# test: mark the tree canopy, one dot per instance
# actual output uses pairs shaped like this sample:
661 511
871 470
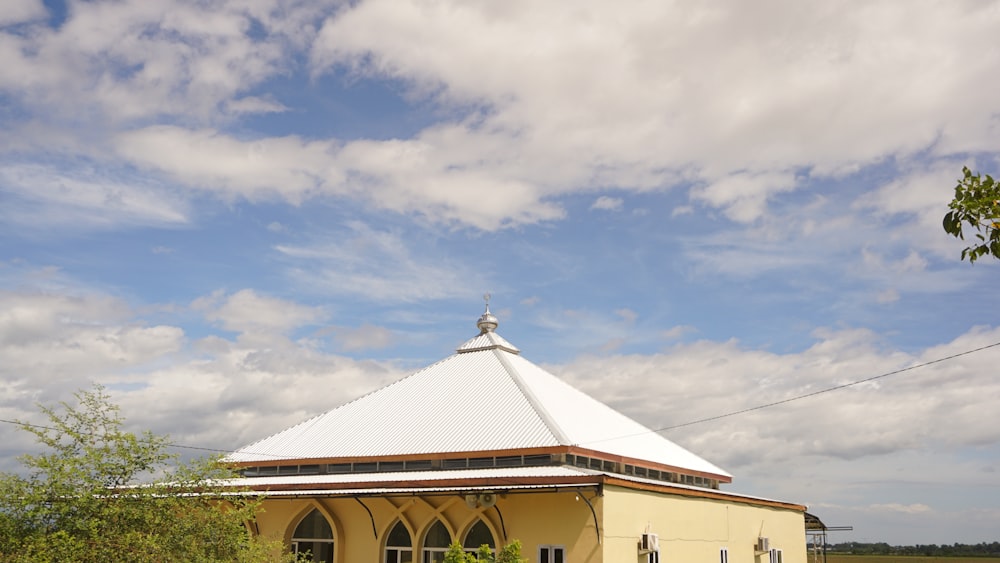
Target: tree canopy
99 493
976 205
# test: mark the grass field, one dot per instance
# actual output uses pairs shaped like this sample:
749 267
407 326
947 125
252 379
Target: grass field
831 558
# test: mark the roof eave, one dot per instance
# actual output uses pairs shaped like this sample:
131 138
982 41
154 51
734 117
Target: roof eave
548 450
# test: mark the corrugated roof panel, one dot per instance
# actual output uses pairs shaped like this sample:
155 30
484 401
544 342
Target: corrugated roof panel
485 397
589 423
467 402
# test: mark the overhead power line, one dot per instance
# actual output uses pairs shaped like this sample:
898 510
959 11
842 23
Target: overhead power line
827 390
657 430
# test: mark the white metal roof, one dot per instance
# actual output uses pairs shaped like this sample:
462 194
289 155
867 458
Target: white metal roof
485 397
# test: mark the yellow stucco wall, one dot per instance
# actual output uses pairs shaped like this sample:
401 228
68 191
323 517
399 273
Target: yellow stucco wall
534 519
691 530
695 529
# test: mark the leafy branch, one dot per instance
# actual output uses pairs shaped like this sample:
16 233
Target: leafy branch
976 205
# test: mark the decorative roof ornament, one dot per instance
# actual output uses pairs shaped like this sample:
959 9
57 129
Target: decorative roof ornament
487 339
487 322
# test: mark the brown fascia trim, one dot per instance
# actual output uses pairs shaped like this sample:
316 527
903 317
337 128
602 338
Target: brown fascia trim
574 450
701 493
402 457
497 483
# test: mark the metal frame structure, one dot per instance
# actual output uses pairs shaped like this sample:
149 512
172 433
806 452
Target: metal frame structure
816 536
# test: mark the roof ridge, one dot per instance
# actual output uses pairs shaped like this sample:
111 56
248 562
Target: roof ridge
536 404
487 340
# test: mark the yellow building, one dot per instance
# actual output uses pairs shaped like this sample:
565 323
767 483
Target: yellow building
484 447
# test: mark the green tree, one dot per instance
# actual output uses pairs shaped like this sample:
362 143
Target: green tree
510 553
98 493
976 205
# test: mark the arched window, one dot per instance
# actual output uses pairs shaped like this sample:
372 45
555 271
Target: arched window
398 547
436 543
479 535
314 535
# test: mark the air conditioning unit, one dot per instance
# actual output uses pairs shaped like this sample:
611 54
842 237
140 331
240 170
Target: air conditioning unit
649 542
763 544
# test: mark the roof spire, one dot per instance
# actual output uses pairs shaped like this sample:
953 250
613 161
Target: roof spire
487 322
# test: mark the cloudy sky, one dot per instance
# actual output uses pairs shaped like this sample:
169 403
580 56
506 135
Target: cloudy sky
238 214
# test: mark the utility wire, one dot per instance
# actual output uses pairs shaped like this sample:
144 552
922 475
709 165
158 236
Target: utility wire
94 434
827 390
657 430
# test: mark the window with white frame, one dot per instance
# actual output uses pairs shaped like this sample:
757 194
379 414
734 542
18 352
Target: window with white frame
314 535
723 555
436 543
653 557
398 546
551 554
775 556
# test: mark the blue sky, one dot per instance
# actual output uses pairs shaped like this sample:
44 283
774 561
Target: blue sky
236 215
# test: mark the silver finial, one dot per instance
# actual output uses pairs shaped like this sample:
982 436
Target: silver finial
487 322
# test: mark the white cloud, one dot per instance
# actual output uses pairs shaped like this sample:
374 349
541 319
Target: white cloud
246 311
51 341
636 106
919 196
679 331
19 11
254 104
110 62
84 198
888 296
743 197
438 176
606 203
442 175
364 337
628 316
286 168
904 508
910 264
